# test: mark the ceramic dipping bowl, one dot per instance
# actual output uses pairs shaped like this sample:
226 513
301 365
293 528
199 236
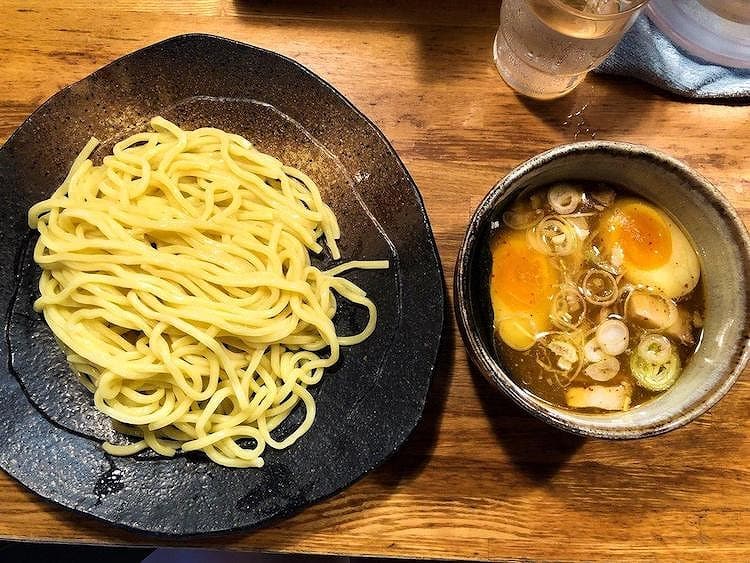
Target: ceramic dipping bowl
718 235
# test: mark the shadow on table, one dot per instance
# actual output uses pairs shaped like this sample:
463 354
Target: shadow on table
438 12
453 41
535 448
450 36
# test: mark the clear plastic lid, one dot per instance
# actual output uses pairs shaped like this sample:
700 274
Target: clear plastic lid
697 27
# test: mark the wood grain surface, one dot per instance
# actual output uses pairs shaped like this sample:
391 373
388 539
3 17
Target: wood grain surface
479 479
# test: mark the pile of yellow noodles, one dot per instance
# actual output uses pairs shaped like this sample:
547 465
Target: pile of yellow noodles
177 277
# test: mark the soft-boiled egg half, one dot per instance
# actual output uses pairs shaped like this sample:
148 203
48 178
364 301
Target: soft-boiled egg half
649 247
522 286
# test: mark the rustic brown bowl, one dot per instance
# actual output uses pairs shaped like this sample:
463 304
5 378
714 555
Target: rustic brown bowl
719 237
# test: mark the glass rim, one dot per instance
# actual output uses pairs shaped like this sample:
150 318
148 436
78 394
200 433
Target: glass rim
598 17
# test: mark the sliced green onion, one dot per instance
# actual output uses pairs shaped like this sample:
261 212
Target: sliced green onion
568 308
655 377
613 337
564 199
520 220
593 352
599 287
559 356
566 351
553 236
655 349
603 370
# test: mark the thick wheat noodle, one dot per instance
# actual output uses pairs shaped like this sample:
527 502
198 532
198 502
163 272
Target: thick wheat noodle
177 278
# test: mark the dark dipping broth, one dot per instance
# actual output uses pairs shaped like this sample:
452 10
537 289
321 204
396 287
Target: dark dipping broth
596 294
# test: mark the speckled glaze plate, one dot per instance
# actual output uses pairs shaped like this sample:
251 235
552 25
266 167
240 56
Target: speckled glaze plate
368 404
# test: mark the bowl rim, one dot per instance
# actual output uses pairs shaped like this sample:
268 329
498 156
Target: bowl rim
499 377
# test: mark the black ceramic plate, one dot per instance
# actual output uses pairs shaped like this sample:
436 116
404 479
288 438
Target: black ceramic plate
49 432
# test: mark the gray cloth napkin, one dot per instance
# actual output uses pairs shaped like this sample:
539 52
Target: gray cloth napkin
646 53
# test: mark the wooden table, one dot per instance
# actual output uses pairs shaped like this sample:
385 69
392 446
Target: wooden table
479 479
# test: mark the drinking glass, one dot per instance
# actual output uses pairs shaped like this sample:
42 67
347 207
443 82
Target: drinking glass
545 48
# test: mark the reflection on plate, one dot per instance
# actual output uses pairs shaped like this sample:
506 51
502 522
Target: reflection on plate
367 404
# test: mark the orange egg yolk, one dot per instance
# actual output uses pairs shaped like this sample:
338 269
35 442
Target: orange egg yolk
522 278
642 234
